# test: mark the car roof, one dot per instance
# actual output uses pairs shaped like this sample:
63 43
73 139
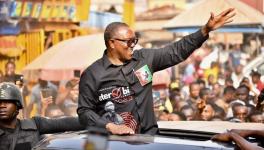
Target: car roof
212 127
81 140
173 135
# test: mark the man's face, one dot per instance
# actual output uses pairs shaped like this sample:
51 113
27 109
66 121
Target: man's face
217 89
7 110
211 79
163 116
43 83
174 117
180 104
208 113
238 69
242 94
241 113
10 69
229 97
209 95
257 118
255 79
123 43
194 90
189 114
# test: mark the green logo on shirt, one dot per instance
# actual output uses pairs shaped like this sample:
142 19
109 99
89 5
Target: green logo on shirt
144 75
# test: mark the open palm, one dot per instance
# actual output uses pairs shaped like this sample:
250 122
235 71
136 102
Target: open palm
218 21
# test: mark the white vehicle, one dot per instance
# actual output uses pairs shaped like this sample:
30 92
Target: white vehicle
256 63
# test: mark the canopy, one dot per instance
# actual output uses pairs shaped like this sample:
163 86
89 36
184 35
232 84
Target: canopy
247 19
60 61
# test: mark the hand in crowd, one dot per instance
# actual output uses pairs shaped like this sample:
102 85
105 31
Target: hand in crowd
45 102
237 136
223 137
119 129
243 133
218 21
201 104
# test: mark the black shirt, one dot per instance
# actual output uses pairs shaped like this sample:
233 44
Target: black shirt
129 86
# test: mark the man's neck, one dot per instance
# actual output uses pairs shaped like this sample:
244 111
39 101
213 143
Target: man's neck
8 123
113 58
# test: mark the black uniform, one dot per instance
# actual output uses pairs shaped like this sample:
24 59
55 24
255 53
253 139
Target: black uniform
129 86
27 132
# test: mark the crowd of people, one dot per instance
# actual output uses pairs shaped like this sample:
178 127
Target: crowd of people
51 99
219 92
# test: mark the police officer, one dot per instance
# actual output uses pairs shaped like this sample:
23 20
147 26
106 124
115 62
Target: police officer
24 134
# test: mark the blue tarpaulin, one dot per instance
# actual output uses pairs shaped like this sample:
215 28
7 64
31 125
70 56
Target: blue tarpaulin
101 19
9 29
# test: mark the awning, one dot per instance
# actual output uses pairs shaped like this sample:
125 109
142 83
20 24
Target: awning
247 19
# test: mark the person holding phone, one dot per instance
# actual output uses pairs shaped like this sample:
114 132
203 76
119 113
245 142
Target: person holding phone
42 87
19 82
124 76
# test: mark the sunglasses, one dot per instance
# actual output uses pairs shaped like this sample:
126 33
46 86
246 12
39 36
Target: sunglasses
129 43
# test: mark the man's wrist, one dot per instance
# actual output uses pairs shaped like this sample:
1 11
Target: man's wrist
205 30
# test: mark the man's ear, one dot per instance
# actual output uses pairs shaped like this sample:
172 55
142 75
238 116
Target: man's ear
111 44
16 112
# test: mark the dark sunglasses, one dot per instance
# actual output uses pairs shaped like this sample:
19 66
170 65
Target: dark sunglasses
129 43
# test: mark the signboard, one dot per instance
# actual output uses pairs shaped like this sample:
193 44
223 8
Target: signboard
3 10
36 10
15 9
71 12
56 10
44 10
27 8
64 12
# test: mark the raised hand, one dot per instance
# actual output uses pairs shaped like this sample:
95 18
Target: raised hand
45 102
218 21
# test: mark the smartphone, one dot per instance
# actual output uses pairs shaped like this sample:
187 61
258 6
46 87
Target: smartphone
46 92
156 99
19 80
77 73
19 77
